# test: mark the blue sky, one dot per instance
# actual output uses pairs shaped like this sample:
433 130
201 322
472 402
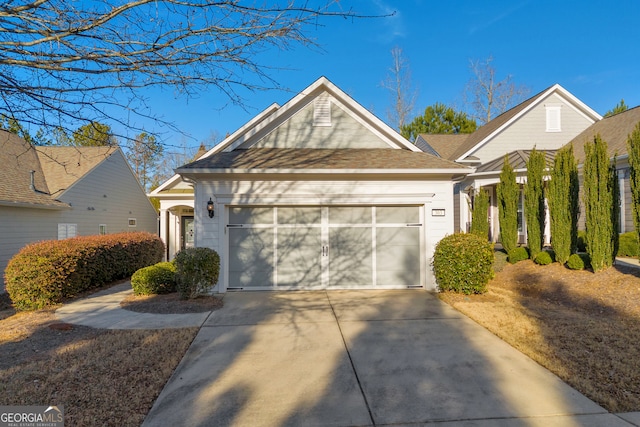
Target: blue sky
591 48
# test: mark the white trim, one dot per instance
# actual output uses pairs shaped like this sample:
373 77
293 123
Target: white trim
462 171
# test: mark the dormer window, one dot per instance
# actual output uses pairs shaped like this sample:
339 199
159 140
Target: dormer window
554 122
322 111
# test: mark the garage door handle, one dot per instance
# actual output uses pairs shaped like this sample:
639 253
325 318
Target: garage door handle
325 250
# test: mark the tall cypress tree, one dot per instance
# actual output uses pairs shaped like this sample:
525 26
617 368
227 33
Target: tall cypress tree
479 218
564 204
508 195
534 202
599 201
633 145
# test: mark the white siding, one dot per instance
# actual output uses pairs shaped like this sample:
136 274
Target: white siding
530 130
110 194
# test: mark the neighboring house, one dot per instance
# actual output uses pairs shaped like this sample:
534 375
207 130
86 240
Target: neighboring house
546 121
615 130
58 192
315 194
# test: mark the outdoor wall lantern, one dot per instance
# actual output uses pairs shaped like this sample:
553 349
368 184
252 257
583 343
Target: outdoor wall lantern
210 207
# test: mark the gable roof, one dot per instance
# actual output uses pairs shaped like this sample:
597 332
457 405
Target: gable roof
517 159
614 130
485 133
55 169
18 159
64 166
319 160
444 145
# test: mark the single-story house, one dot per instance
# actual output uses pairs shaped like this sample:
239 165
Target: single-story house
615 130
546 121
56 192
315 194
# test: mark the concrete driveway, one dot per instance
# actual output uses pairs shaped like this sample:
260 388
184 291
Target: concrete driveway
358 358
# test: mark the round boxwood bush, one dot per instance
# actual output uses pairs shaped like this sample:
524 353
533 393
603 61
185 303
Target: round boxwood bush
518 254
197 271
543 258
155 279
576 262
463 263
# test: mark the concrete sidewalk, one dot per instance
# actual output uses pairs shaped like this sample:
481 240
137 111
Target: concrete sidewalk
102 310
357 358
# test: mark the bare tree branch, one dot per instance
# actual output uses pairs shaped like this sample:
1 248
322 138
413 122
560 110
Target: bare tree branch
486 96
62 62
403 95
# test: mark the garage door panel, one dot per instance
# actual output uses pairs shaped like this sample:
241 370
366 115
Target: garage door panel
350 257
397 215
299 253
252 215
251 257
350 215
300 215
398 256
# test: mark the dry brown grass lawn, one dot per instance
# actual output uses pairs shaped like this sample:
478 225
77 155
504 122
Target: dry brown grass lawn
582 326
101 377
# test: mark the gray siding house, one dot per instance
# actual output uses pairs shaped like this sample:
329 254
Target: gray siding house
546 121
59 192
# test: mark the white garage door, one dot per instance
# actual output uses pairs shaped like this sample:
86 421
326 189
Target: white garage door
325 247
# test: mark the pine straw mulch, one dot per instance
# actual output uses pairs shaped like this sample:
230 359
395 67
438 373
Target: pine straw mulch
101 377
583 326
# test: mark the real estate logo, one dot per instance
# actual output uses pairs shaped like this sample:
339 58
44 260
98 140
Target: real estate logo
31 416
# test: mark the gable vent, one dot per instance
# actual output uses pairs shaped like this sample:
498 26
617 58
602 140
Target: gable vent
322 111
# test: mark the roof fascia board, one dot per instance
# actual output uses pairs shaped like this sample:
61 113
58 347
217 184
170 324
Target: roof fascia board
34 205
435 171
238 134
555 88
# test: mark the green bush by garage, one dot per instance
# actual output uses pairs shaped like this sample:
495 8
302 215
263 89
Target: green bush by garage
463 263
156 279
48 272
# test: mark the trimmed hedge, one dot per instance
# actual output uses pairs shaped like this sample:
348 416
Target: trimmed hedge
543 258
518 254
463 263
576 262
47 272
156 279
197 271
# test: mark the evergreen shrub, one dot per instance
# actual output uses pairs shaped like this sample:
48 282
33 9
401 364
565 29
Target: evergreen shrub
577 261
156 279
47 272
628 245
543 258
463 263
518 254
197 271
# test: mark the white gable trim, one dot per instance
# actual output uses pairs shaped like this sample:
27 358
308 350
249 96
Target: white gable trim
222 145
348 104
570 99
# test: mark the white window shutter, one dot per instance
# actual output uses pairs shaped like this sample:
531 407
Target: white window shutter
322 111
554 122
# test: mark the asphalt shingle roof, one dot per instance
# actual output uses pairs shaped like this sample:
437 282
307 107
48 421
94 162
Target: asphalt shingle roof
445 144
614 130
517 159
55 170
309 158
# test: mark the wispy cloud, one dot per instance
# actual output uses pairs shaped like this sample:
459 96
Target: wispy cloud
484 25
394 27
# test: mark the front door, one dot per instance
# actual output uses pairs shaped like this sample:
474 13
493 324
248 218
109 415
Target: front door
187 232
